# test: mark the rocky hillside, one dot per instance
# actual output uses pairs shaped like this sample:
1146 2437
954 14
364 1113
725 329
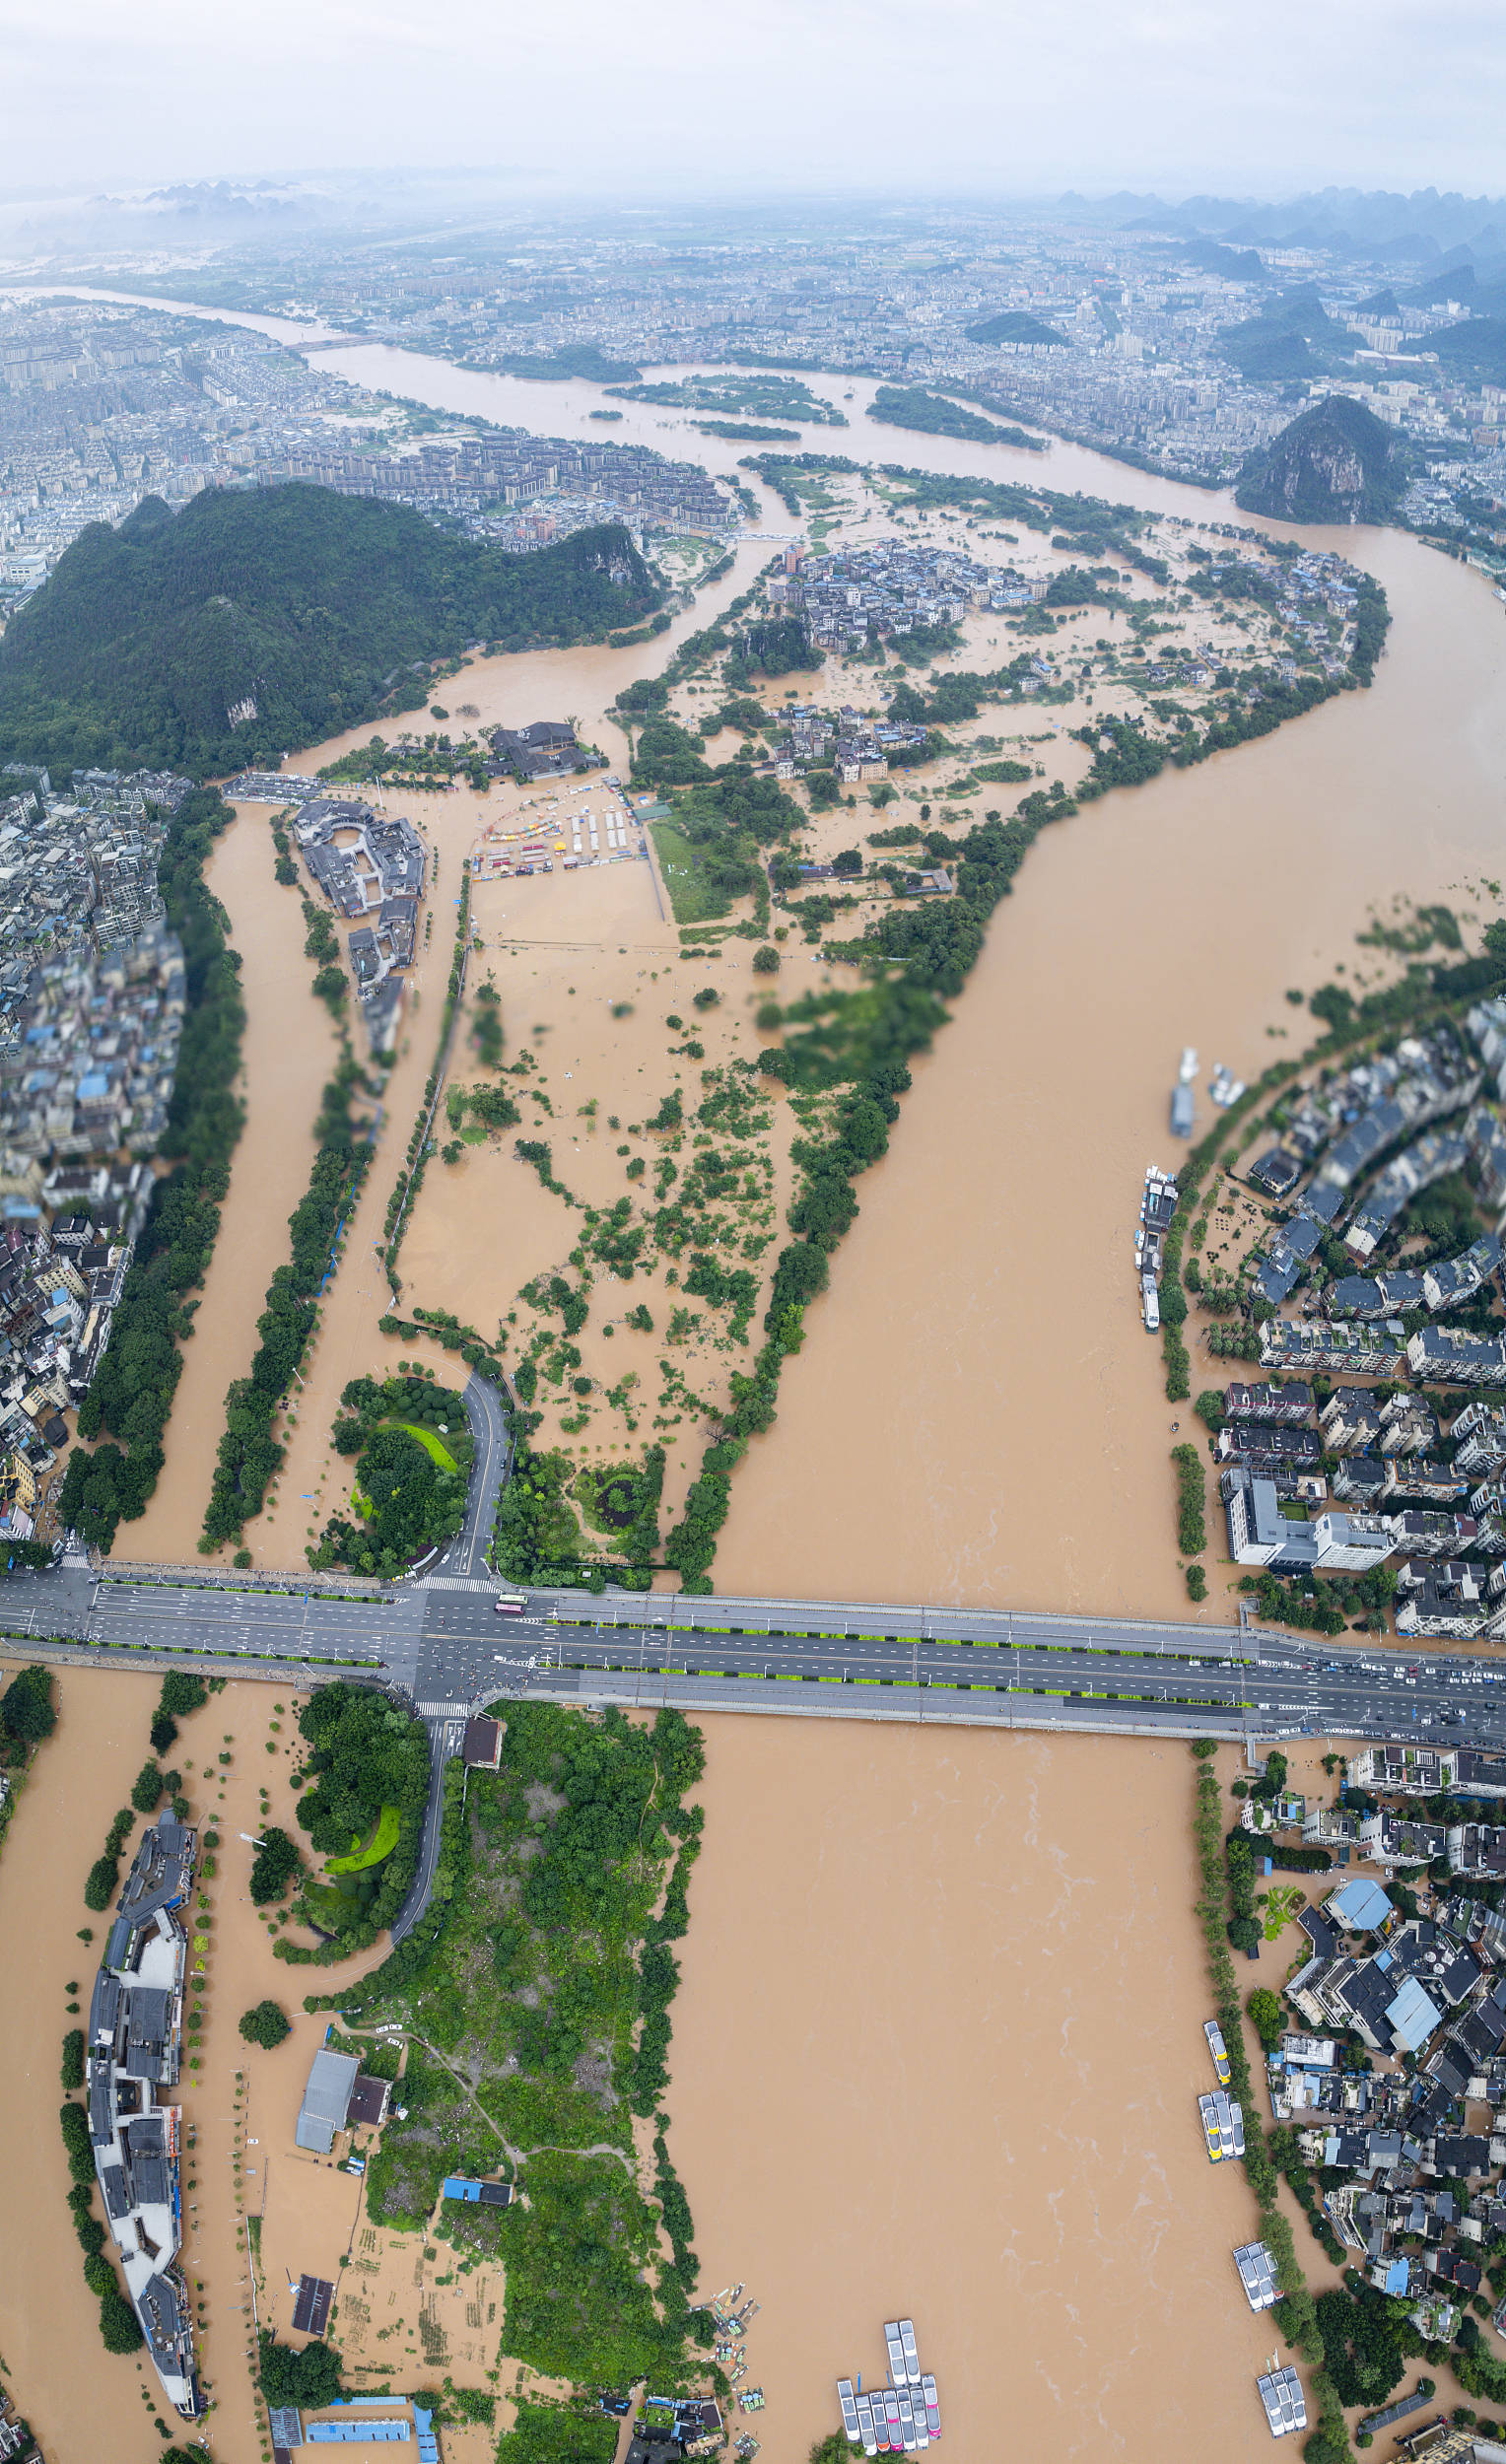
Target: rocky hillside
1335 464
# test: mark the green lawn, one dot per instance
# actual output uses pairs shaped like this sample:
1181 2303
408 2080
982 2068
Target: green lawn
691 895
434 1447
380 1844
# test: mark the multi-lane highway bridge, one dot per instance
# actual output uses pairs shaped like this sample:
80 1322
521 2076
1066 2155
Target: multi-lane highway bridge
439 1641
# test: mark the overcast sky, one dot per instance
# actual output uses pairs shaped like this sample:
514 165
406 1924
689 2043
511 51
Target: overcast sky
592 96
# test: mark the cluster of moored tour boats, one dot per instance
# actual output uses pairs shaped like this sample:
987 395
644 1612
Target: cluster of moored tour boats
902 2416
1223 2117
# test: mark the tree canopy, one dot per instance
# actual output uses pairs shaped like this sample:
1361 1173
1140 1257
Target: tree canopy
26 1706
265 2023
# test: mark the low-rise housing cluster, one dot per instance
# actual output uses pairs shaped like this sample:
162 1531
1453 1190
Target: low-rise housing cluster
1394 2072
371 867
134 2049
92 990
92 1005
858 746
1429 1493
855 594
496 483
1343 1130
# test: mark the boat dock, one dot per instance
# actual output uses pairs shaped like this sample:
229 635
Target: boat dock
901 2417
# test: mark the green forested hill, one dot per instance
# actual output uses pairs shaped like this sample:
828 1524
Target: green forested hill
305 604
1335 462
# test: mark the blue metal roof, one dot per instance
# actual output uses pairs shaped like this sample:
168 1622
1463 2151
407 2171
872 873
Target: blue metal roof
1361 1907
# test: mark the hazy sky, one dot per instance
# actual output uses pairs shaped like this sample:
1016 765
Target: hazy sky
890 94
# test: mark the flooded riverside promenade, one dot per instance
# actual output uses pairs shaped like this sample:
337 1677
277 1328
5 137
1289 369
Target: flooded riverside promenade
81 2402
84 2403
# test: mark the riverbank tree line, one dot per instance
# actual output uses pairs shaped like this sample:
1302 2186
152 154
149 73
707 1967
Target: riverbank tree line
249 1456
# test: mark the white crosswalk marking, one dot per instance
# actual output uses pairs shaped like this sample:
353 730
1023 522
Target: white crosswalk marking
453 1583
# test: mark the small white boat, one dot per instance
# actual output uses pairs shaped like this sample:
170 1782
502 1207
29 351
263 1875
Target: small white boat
1188 1070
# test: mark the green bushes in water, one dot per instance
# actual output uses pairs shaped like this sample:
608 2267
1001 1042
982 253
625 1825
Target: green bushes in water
28 1716
118 2320
1192 1530
309 2377
103 1877
276 1864
408 1501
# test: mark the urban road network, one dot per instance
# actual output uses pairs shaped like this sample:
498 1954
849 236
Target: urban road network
440 1640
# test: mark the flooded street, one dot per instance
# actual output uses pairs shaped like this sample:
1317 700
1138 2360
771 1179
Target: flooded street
937 2051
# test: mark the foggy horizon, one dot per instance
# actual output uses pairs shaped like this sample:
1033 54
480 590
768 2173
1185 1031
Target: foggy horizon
864 98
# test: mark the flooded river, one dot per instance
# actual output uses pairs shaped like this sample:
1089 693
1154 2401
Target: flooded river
938 2039
936 2052
1003 1427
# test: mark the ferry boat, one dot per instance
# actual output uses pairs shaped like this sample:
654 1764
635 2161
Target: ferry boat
1236 2126
850 2421
892 2415
896 2343
932 2409
1181 1110
1225 2126
911 2357
865 2431
1216 2047
907 2422
1208 2110
1150 1303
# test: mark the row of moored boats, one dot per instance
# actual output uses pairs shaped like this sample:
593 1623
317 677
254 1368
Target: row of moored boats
1223 2116
902 2416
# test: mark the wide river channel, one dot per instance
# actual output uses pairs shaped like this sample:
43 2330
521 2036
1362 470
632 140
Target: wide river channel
937 2041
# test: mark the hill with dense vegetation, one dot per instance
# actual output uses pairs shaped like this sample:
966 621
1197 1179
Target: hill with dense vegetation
1015 326
254 622
1335 462
1293 336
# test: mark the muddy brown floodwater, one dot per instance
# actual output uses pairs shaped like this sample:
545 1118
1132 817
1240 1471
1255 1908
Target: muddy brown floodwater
289 1050
938 2049
977 1414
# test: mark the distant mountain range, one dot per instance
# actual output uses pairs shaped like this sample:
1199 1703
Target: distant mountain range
1425 229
